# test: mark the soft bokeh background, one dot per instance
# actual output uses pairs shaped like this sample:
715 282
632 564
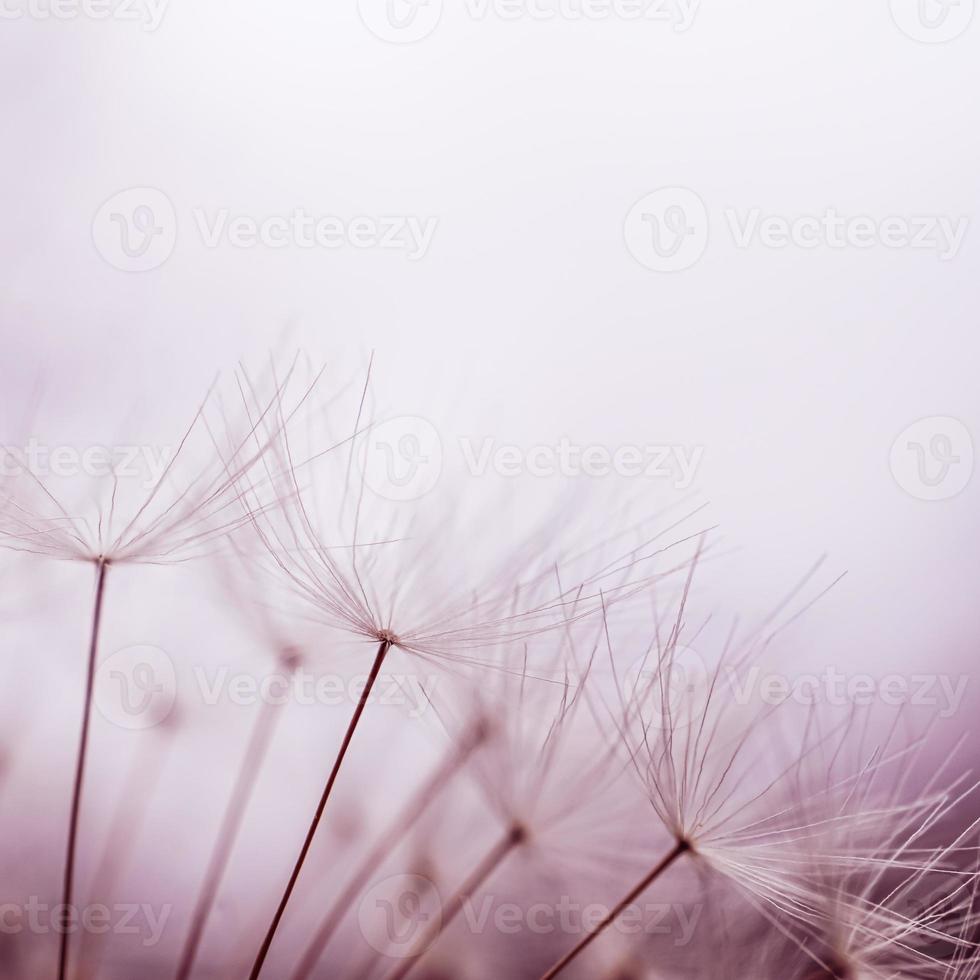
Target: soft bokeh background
529 141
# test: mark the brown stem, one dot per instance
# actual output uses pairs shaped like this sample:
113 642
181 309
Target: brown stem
408 816
383 649
682 847
68 881
516 835
231 822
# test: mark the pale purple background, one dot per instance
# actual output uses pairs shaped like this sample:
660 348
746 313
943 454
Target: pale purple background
528 319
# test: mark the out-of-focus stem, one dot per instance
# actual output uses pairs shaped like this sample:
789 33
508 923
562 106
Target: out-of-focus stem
248 772
408 816
515 836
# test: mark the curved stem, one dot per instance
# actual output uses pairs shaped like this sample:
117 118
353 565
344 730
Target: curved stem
682 847
383 649
68 881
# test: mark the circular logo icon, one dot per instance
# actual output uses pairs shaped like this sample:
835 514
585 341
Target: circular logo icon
136 687
400 21
136 229
671 693
667 230
395 915
933 458
932 21
401 459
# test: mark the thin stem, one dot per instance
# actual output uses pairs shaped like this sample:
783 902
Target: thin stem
516 835
68 881
409 815
681 847
231 822
383 649
141 779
